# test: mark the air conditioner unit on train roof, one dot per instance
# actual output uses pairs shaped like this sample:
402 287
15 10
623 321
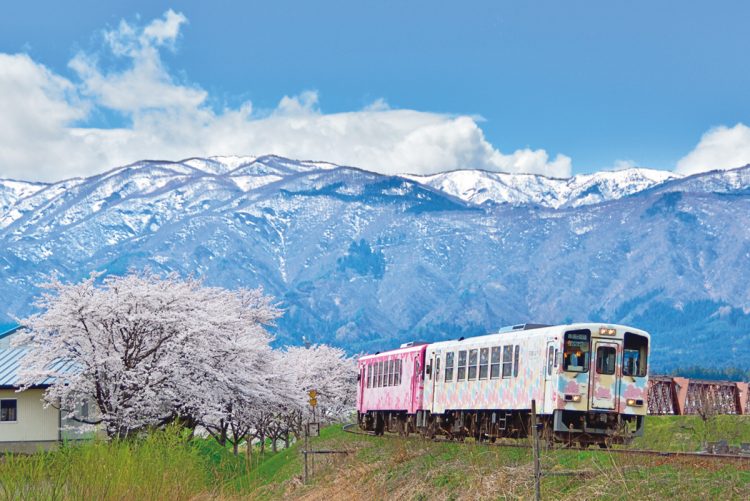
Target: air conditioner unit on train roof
521 327
411 343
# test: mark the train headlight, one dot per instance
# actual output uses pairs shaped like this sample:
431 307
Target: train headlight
604 331
632 402
572 398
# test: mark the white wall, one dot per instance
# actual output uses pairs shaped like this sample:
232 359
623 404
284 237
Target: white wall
34 423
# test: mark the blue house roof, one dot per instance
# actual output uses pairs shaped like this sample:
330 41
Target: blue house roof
10 361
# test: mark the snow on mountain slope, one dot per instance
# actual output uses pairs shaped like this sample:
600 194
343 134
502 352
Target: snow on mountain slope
479 187
367 261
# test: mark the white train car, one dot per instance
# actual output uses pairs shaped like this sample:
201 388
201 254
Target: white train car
589 382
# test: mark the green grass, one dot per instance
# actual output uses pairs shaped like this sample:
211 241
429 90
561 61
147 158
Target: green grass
165 465
388 468
689 433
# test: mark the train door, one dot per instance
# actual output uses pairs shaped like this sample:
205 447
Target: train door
362 385
549 389
415 381
429 380
605 381
436 389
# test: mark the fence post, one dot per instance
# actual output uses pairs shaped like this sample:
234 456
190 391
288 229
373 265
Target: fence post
535 447
307 429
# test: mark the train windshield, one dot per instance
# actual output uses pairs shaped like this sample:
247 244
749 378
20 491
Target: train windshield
577 353
634 355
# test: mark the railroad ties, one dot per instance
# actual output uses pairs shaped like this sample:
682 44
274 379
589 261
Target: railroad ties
682 396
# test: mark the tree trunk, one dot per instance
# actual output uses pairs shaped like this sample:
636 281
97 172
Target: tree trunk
273 444
235 448
262 443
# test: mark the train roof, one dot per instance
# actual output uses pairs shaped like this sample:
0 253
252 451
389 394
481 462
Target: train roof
405 348
538 329
525 330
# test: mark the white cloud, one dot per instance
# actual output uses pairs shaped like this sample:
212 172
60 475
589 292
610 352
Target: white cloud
719 148
41 136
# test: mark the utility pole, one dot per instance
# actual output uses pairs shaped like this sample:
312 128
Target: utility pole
313 394
535 447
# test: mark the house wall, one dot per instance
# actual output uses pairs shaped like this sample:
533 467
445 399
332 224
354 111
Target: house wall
35 426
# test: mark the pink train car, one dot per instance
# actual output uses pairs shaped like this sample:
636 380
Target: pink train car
390 388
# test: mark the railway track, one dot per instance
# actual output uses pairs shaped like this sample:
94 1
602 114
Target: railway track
350 428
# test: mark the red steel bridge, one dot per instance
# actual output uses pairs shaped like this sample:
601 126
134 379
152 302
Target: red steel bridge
681 396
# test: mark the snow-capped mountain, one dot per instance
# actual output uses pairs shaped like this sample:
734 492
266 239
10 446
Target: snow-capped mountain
367 261
477 186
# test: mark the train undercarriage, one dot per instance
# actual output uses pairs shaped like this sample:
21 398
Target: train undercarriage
571 428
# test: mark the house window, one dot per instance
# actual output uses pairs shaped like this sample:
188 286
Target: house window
472 364
484 360
515 360
449 366
8 410
495 365
507 360
461 366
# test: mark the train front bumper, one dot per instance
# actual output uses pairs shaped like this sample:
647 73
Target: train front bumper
598 423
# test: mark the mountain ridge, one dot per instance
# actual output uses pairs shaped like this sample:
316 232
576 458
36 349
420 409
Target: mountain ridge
365 260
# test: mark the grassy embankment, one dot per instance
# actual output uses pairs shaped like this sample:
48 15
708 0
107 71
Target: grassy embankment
164 466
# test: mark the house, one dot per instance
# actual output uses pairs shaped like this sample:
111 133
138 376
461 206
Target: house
26 424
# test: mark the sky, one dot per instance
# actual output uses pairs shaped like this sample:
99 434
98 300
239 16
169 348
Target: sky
548 87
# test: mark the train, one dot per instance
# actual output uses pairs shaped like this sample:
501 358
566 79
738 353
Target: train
588 383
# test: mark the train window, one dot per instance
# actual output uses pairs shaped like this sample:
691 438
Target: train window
369 375
375 375
484 362
515 361
472 364
449 366
391 371
437 369
507 360
577 351
495 364
557 357
605 359
380 374
397 373
635 353
461 370
550 355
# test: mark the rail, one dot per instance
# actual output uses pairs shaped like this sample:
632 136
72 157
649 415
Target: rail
645 452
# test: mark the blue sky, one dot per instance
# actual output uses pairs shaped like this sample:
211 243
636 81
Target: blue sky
552 87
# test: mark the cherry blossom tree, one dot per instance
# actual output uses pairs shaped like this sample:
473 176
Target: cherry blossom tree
148 349
328 371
